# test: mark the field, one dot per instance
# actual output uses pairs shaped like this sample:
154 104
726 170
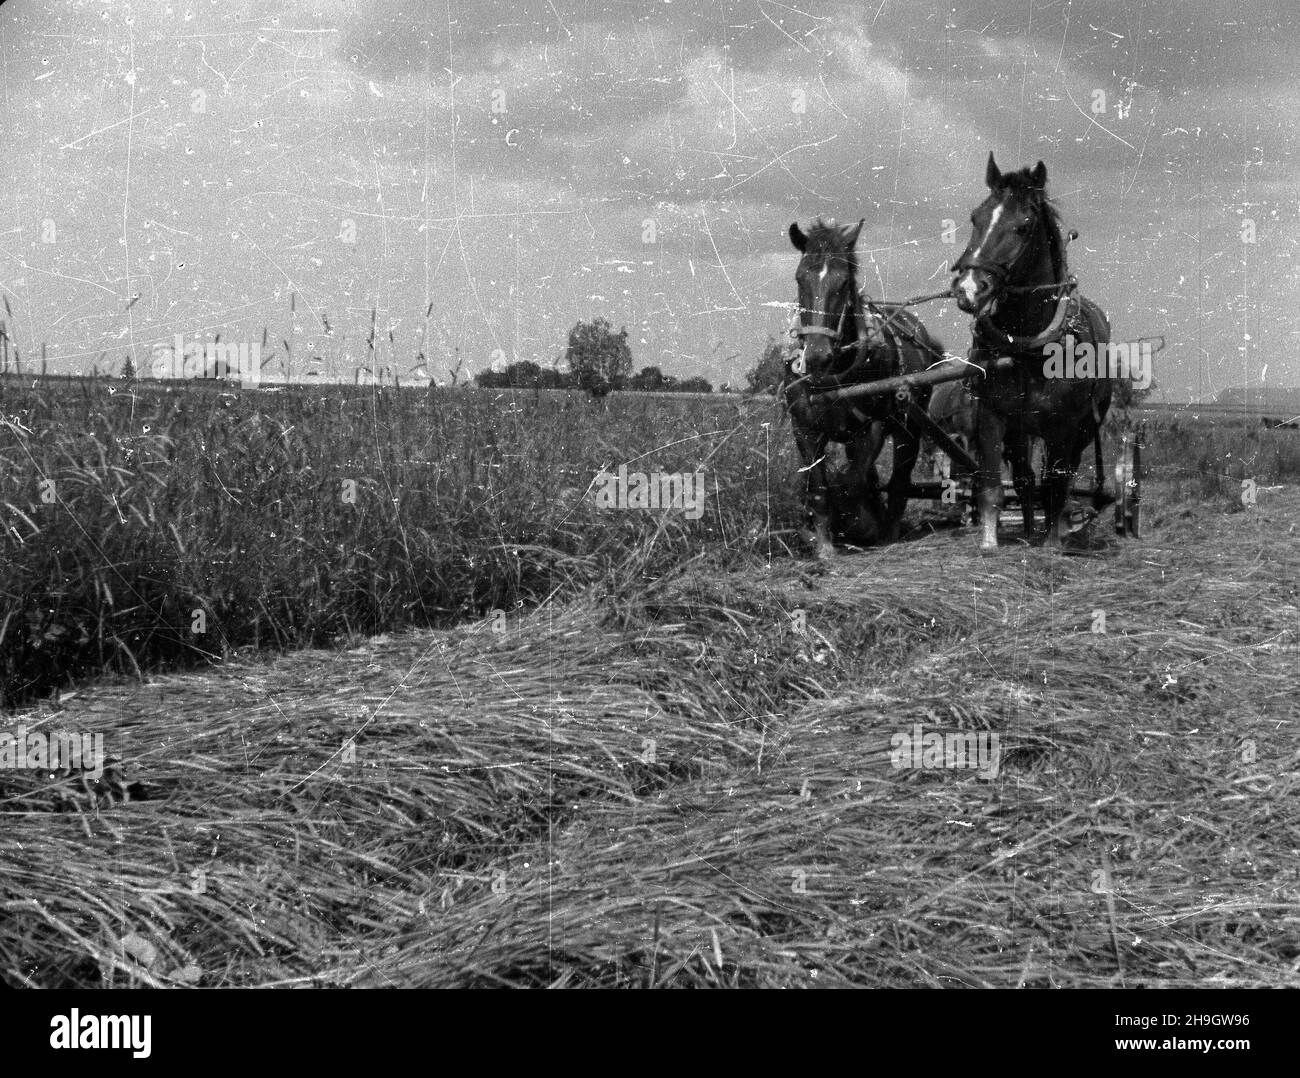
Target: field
514 738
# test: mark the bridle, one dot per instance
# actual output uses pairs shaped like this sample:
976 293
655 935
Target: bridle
1065 289
1004 273
800 365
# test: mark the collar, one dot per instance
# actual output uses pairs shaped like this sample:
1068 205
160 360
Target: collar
995 337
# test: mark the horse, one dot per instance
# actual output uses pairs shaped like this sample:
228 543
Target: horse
953 408
1014 280
844 342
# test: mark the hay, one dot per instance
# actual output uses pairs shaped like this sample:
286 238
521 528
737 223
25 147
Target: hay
663 783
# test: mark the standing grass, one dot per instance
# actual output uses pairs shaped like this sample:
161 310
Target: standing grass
153 526
158 526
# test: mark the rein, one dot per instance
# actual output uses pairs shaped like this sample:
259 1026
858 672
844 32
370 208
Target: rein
884 321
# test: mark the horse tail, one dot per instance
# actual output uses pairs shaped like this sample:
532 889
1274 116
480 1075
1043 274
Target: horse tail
1100 327
1100 498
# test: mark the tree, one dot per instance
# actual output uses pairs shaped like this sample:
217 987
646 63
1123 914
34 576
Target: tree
769 372
650 379
599 358
128 370
695 385
523 375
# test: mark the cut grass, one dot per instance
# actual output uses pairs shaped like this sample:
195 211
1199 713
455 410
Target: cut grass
662 783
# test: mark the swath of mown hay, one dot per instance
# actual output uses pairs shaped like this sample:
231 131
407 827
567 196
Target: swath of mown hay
504 821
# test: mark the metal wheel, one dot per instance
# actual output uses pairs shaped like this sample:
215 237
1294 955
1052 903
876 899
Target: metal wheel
1128 484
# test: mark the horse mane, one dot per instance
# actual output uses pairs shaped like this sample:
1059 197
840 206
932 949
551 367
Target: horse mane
825 237
1021 183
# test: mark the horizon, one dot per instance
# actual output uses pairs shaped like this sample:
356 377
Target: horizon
1152 402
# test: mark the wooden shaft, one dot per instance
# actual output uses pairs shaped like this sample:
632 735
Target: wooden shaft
938 436
947 371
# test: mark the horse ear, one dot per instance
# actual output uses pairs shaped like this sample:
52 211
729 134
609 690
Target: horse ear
850 232
797 237
1039 175
992 174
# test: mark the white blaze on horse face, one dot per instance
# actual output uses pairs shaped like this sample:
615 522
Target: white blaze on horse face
967 282
823 300
821 296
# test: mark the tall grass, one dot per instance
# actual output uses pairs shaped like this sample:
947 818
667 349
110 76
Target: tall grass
152 526
1210 460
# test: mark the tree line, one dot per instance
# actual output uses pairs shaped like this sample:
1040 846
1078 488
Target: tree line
529 375
599 361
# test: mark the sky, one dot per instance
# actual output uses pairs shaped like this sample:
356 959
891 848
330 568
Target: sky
484 174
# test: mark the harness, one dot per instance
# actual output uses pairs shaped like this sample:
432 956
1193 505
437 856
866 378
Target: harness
799 331
875 326
1064 318
990 336
1069 317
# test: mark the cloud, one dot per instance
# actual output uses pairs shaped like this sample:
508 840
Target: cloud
508 157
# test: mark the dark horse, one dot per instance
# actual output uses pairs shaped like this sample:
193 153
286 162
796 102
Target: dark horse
1013 278
844 343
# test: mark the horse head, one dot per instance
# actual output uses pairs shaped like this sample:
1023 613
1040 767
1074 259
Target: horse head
829 306
1015 240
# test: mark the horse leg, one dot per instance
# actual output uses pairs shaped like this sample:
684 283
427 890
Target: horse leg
1022 476
1060 464
864 482
812 450
1100 499
990 429
907 447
